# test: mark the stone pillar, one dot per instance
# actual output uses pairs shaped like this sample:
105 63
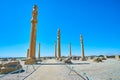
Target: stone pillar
27 53
55 50
39 52
32 48
70 50
82 48
58 44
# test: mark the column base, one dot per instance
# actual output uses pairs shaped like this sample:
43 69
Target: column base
83 59
30 61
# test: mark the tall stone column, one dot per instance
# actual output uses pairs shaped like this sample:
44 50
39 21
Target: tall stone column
27 53
39 52
70 50
82 48
55 50
32 48
58 44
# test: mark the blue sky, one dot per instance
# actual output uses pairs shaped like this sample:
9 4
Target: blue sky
97 20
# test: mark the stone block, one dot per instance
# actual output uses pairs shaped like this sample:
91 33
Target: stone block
10 66
97 59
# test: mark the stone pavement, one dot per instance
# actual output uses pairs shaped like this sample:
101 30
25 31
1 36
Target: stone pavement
53 72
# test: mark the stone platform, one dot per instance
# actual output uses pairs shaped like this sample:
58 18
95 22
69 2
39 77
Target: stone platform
53 72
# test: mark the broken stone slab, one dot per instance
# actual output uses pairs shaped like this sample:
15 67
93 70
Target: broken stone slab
5 70
10 66
97 59
68 61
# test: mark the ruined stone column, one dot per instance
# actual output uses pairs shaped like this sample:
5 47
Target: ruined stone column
55 45
39 52
70 50
27 53
82 48
32 48
58 41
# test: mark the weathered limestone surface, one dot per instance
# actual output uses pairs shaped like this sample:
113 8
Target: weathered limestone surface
32 59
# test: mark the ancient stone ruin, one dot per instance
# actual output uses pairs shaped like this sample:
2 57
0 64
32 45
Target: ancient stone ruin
31 59
68 60
82 49
58 44
10 66
97 59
